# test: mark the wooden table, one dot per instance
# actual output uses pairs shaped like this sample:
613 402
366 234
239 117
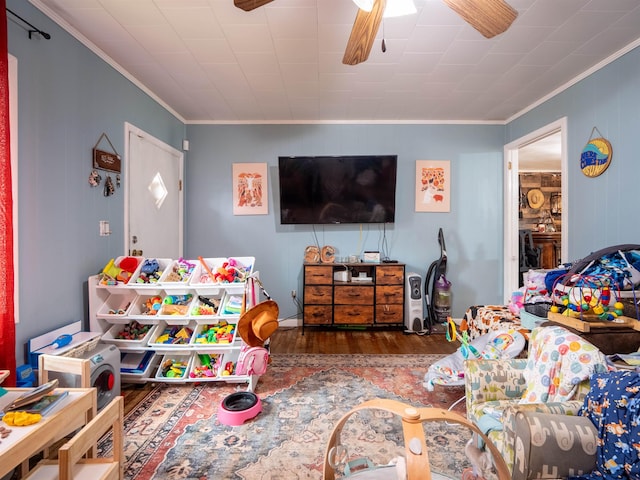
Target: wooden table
74 411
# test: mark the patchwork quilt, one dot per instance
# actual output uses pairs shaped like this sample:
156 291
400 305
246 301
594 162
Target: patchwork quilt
558 362
613 405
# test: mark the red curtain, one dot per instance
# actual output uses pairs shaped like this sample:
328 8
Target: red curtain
7 322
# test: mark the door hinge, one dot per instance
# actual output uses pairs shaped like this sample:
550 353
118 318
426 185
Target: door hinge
179 185
509 165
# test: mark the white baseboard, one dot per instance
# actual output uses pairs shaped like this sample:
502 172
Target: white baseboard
290 322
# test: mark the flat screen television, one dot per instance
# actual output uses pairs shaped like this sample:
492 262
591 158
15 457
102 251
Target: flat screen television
339 189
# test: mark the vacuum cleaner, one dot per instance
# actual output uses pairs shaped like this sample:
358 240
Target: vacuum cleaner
437 289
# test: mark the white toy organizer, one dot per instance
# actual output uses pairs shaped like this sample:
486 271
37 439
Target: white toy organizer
202 345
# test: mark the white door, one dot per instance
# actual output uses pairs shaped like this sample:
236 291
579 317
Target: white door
512 197
153 196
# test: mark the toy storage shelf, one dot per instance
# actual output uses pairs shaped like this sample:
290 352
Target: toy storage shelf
115 308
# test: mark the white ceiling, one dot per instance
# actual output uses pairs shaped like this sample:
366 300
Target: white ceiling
207 61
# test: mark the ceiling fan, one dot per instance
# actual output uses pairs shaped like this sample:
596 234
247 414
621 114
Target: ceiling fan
489 17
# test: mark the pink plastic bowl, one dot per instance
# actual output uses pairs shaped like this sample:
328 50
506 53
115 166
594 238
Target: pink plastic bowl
237 408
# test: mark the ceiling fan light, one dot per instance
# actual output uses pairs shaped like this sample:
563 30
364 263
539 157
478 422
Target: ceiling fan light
395 8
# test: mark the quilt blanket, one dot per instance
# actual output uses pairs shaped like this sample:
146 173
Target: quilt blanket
613 405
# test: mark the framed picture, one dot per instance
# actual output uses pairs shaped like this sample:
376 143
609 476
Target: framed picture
433 186
250 189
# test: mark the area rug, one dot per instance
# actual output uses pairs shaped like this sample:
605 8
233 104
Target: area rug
174 433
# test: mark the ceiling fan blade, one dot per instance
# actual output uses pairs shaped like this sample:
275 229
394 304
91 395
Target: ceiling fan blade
363 34
248 5
489 17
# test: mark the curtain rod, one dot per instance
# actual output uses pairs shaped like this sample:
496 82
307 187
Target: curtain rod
33 28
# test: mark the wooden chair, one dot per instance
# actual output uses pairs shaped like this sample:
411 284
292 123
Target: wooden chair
72 465
71 365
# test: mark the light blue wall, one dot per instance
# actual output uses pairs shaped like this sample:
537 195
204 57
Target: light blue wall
602 210
473 228
67 98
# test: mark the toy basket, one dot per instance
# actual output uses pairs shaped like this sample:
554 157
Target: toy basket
416 453
82 348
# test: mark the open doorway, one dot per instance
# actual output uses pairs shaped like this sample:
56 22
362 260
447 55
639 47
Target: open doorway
534 165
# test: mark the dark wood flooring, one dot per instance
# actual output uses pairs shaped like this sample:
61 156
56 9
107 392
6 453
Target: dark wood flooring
369 341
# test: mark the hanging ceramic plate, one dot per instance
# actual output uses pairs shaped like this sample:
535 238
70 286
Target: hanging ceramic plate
595 157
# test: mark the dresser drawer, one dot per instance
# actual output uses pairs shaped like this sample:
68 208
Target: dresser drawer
320 295
389 294
318 275
389 314
353 314
390 275
317 314
353 295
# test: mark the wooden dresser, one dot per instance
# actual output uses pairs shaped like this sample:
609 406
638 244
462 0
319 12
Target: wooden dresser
376 300
549 243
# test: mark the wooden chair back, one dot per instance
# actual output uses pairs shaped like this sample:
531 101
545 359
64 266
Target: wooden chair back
54 363
75 458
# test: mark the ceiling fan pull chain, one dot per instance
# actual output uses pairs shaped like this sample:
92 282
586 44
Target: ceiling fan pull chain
384 45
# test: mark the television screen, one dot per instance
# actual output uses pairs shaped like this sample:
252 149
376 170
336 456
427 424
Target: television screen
343 189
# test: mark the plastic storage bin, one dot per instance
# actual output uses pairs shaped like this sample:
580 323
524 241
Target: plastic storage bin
222 334
205 308
118 272
171 336
226 271
116 307
174 368
231 305
146 279
177 275
205 365
176 308
145 308
132 335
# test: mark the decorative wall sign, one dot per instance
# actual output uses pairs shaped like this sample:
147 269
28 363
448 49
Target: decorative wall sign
250 189
596 155
433 186
104 160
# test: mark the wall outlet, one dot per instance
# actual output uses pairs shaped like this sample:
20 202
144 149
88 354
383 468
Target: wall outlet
294 294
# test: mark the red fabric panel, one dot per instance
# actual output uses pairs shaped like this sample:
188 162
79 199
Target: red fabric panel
7 321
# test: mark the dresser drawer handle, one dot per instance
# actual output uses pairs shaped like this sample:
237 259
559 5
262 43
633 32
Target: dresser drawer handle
353 294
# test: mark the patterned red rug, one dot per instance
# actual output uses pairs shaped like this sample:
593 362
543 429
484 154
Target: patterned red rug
174 433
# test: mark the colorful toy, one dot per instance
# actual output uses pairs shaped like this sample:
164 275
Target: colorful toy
174 335
210 363
172 368
586 295
206 306
181 271
133 331
176 304
149 272
229 368
231 271
221 333
152 304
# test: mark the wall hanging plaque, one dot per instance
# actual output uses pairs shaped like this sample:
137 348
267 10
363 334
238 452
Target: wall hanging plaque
596 155
104 160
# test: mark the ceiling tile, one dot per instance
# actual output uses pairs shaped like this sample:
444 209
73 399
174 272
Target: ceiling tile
208 60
